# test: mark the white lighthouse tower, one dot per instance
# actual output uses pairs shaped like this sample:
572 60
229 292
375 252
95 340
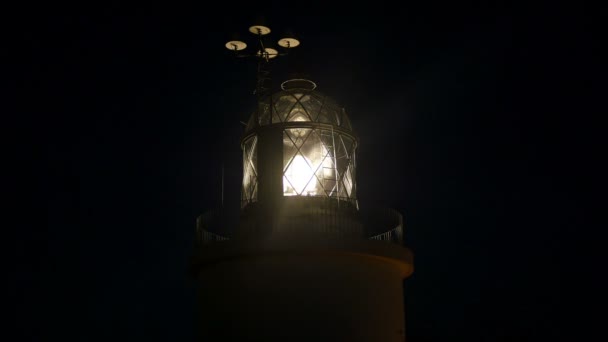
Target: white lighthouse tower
303 262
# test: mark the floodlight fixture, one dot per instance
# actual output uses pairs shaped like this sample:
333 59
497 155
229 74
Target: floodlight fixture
236 45
288 43
263 51
259 30
269 53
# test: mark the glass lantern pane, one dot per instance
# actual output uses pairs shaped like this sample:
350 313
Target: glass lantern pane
345 121
298 178
253 154
325 116
313 106
298 114
282 107
249 189
302 158
348 181
293 139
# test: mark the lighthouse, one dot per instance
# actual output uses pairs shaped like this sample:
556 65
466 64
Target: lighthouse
301 261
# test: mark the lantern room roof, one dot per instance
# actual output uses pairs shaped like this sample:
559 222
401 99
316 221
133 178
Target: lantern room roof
298 101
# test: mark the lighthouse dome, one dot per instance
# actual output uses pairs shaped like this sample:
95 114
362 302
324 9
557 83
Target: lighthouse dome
298 101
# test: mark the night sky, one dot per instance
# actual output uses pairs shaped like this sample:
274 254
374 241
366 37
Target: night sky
134 111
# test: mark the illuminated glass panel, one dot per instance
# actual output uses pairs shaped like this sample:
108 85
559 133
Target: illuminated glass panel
299 105
318 162
249 191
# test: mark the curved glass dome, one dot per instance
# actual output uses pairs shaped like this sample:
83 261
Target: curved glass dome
318 144
299 102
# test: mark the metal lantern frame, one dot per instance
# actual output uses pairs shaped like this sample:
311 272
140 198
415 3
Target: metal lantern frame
309 120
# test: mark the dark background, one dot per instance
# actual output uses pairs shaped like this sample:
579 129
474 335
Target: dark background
460 115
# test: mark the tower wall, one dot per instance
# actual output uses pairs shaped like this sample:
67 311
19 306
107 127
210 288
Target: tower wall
339 293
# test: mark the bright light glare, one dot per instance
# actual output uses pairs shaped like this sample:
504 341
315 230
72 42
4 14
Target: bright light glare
300 180
300 177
